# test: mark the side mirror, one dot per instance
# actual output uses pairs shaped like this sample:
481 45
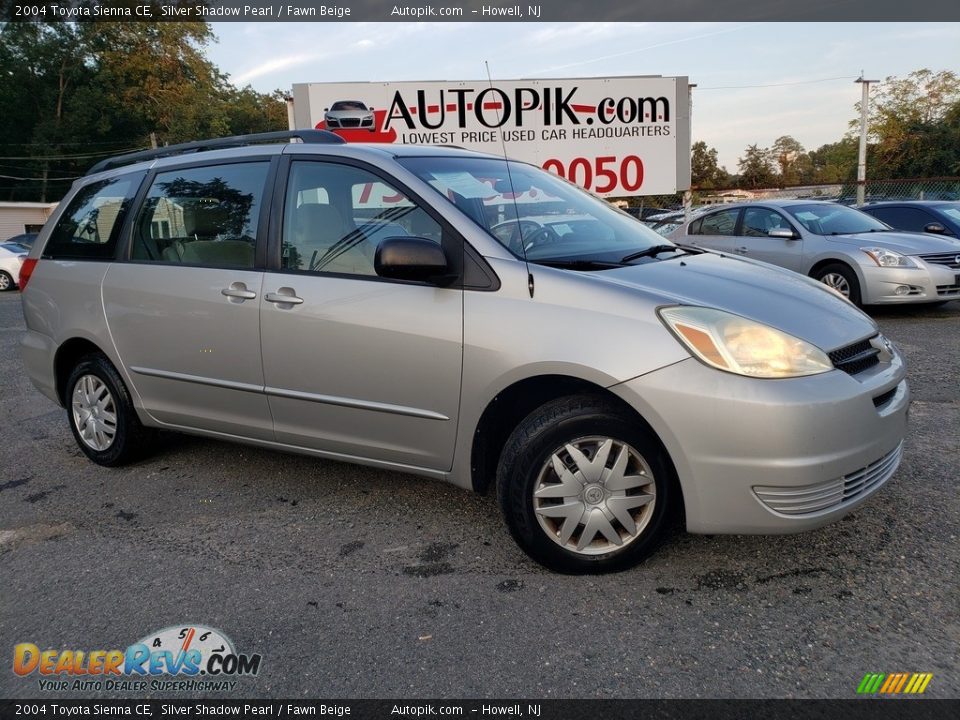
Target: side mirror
782 233
412 258
325 109
935 228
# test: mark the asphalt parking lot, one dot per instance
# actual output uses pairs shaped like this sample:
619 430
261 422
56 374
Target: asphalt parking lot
357 583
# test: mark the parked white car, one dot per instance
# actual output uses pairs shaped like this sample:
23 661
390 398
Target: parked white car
11 258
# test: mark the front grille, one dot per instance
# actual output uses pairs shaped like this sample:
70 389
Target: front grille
951 260
810 499
349 122
855 358
949 290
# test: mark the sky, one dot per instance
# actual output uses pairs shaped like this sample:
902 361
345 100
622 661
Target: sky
755 81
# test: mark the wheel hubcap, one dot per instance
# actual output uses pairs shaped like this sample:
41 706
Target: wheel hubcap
4 282
594 495
838 282
94 412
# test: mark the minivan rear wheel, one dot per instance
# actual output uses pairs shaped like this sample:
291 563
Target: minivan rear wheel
101 414
583 487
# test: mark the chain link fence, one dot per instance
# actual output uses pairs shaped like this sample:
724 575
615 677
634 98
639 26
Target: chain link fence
845 193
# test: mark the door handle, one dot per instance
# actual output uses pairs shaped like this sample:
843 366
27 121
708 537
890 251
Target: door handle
283 298
741 250
237 292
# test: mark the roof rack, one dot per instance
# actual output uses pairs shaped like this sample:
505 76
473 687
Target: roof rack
306 136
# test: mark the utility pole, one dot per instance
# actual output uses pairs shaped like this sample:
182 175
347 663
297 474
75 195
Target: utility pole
862 160
688 193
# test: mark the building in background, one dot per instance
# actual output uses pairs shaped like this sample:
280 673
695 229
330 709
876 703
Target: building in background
17 218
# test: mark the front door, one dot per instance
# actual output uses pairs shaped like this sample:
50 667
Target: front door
356 365
754 241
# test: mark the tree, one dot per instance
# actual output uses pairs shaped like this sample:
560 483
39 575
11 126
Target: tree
792 161
755 167
74 93
706 173
913 125
834 162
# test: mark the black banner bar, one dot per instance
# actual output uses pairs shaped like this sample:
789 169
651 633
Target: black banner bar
477 10
865 709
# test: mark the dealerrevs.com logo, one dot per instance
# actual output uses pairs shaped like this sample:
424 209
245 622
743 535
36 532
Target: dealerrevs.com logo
187 657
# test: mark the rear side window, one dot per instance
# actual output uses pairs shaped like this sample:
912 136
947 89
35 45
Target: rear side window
720 223
202 216
89 228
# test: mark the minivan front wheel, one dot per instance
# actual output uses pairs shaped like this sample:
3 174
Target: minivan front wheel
583 487
101 414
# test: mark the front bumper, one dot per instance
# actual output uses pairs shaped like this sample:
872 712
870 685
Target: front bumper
774 456
928 283
347 123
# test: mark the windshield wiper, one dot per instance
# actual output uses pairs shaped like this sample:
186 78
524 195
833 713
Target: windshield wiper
859 232
579 264
651 252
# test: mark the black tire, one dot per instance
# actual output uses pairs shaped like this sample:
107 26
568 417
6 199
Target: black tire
6 281
131 440
533 443
847 273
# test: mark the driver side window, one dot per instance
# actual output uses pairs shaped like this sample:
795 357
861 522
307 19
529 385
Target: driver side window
336 215
758 222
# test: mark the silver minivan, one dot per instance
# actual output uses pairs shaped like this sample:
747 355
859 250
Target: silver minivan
355 303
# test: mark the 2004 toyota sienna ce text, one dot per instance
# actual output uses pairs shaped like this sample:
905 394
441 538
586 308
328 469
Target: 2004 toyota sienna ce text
352 303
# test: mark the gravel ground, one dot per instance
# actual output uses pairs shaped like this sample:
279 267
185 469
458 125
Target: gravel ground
359 583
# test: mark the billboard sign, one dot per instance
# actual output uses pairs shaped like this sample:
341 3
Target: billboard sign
616 136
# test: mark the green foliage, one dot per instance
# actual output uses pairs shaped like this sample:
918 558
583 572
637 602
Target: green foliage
74 93
914 132
706 173
914 126
755 168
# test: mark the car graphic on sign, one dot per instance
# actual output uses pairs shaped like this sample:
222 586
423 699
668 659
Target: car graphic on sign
349 114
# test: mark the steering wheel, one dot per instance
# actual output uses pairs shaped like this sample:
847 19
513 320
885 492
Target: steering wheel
540 236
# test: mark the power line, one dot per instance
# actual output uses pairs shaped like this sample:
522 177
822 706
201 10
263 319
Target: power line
69 144
36 179
798 82
73 157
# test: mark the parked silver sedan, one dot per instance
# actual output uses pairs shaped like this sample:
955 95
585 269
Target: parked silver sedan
857 255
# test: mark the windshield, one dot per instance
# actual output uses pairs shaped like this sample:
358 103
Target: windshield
533 213
953 212
348 105
830 219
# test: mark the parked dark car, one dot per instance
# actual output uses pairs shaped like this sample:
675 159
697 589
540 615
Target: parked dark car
25 239
931 216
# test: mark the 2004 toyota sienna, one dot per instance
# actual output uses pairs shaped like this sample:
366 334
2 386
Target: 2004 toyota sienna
352 302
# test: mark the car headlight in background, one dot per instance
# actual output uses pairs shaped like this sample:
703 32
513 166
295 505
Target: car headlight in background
888 258
735 344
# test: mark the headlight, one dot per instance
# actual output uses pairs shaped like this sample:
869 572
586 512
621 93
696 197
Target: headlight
888 258
734 344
